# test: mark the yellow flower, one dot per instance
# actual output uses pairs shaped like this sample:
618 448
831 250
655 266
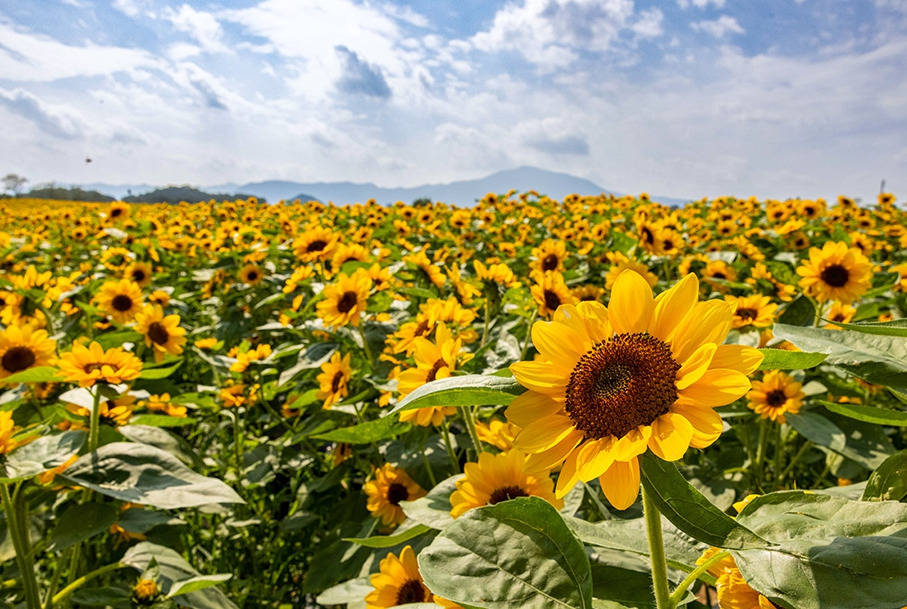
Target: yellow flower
206 343
316 243
145 591
389 487
345 300
499 434
398 582
620 264
610 383
251 274
434 360
499 274
334 380
776 394
118 210
140 273
22 347
549 256
550 292
733 591
836 272
839 312
7 430
88 365
755 311
497 478
245 359
432 272
120 299
163 334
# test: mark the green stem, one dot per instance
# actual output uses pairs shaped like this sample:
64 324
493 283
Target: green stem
450 451
602 510
779 455
694 575
790 466
368 351
94 430
656 553
535 314
75 585
487 322
469 419
20 541
760 451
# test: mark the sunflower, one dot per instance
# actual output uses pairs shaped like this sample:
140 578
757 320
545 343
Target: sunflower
334 380
434 360
432 272
140 273
836 272
251 274
387 490
22 347
163 334
117 259
498 433
118 210
609 383
549 256
550 292
316 243
121 299
497 478
733 591
345 300
398 582
841 313
755 311
621 263
496 274
91 364
778 393
7 430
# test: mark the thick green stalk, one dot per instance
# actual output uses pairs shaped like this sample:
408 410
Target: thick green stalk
656 553
75 585
94 431
19 536
470 419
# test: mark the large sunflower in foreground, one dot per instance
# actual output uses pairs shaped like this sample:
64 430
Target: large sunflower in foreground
610 383
836 272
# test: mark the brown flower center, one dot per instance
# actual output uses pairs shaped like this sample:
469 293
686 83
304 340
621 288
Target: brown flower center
552 300
434 370
506 493
121 302
251 276
347 302
747 314
17 359
158 333
775 398
396 493
549 262
622 383
316 246
835 275
412 591
336 381
138 275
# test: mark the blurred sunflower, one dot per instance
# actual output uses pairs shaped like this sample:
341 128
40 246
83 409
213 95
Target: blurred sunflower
839 312
315 244
775 395
549 256
22 347
7 430
621 263
733 591
163 334
610 383
333 382
251 274
345 300
497 478
836 272
118 210
498 433
121 299
755 311
91 364
385 492
140 273
434 360
550 292
432 272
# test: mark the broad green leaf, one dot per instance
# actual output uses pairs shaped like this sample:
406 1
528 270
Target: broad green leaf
800 312
172 568
139 520
167 441
312 357
469 390
144 474
389 541
689 510
622 242
162 420
351 591
366 433
117 339
160 372
869 414
199 582
433 510
106 596
823 432
898 327
38 374
80 522
41 455
881 360
889 480
830 552
516 551
780 359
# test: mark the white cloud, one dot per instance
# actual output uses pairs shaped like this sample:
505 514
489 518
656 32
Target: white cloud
648 25
134 8
55 121
202 26
719 28
685 4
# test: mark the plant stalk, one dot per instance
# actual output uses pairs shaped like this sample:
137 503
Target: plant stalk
656 553
19 536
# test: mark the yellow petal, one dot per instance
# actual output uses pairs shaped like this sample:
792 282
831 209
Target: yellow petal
631 306
594 458
717 387
531 406
558 343
632 444
621 483
737 357
595 316
568 477
696 365
545 460
671 436
543 377
707 424
672 305
707 322
543 434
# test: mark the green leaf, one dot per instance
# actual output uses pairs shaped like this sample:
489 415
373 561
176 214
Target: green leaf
433 510
519 550
889 480
199 582
868 414
117 339
312 357
143 474
898 327
800 312
366 433
106 596
821 431
621 242
780 359
389 541
881 360
351 591
829 552
162 420
468 390
689 510
38 374
160 372
81 522
43 454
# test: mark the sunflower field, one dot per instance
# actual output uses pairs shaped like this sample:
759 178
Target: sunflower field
600 402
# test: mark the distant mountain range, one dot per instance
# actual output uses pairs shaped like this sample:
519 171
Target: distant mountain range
464 193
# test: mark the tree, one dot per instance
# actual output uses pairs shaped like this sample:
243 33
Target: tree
13 183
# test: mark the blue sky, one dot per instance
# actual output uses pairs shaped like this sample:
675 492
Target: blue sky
684 98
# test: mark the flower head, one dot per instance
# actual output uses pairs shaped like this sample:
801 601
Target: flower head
334 379
345 300
120 299
91 364
22 347
776 394
398 582
836 272
163 334
385 492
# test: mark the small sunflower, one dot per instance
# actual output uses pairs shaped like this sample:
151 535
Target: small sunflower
317 243
334 380
755 311
498 433
549 256
121 299
22 347
398 582
496 274
733 591
117 211
163 334
610 383
251 274
140 273
836 272
91 364
841 313
434 360
431 271
497 478
550 292
389 487
345 300
776 394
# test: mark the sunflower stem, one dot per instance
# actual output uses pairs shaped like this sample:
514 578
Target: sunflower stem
75 585
487 323
779 455
760 451
602 510
18 532
450 451
368 351
469 416
94 429
790 466
690 579
535 315
656 553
